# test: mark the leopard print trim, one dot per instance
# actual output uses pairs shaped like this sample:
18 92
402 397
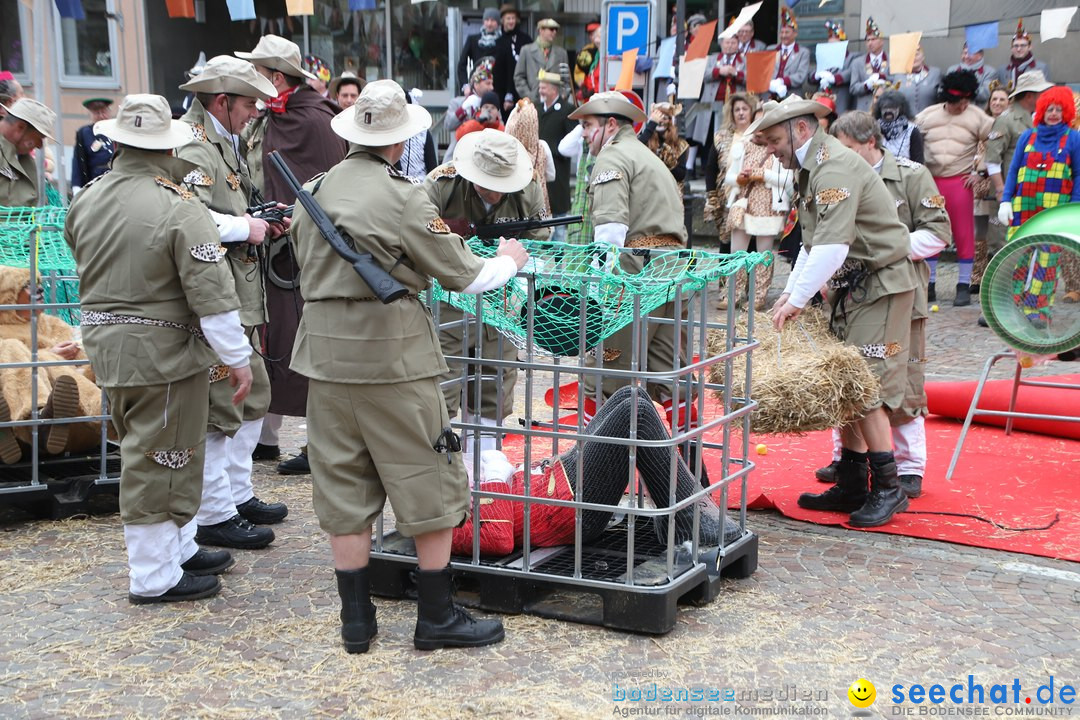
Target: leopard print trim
670 154
208 252
165 183
439 227
995 135
199 133
934 202
881 351
92 318
899 202
398 175
198 177
832 196
611 354
7 172
218 372
444 171
234 181
606 176
173 459
906 162
822 154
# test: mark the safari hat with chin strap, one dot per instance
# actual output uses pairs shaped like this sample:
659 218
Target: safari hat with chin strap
279 54
610 102
227 74
493 160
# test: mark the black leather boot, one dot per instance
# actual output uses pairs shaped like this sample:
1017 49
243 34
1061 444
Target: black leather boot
849 492
440 623
931 291
827 474
358 624
963 295
886 497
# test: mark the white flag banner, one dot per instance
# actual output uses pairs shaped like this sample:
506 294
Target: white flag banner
1055 23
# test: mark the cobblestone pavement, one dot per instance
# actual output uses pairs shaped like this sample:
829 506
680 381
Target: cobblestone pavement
826 606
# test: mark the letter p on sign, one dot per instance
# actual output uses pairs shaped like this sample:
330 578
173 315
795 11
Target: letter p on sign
627 29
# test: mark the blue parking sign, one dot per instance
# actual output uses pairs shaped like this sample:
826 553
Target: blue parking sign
627 28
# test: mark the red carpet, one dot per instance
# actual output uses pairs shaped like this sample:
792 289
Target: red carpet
1019 493
952 399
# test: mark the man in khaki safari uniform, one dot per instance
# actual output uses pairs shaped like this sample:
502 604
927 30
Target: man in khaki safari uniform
635 205
853 241
22 130
377 423
225 94
921 207
489 180
158 311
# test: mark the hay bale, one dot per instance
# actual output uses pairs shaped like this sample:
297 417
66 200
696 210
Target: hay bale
815 382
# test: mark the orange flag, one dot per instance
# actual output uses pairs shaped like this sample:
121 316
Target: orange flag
626 71
180 8
699 46
300 7
760 68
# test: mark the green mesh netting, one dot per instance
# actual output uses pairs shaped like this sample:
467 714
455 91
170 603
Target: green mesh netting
580 296
45 226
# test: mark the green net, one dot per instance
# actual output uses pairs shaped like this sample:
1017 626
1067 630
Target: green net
21 226
580 296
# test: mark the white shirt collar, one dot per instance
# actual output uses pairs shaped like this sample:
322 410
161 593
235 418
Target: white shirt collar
788 48
879 164
800 153
224 132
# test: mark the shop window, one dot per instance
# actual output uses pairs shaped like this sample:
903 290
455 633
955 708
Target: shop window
13 38
87 47
349 40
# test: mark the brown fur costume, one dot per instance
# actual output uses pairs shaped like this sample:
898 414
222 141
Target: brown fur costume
669 147
62 391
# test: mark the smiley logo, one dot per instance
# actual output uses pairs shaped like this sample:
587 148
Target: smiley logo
862 693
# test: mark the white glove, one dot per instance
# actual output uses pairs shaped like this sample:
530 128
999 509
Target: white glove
778 88
873 81
1005 213
471 104
826 78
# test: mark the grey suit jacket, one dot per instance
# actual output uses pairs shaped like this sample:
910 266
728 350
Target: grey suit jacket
860 73
796 70
531 62
1005 75
920 94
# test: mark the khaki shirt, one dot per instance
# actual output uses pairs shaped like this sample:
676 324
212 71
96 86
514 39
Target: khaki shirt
221 182
1004 136
251 144
346 335
844 201
458 204
146 249
18 177
630 185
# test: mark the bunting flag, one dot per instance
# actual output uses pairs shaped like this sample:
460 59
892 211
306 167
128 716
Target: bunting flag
355 5
902 49
691 77
300 7
241 9
180 8
980 37
626 72
1054 23
699 46
745 16
760 67
72 9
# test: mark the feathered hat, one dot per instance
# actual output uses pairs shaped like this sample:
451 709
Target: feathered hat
1021 33
787 18
872 27
835 30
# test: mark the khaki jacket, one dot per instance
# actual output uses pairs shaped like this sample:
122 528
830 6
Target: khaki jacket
148 252
346 335
845 201
221 182
1005 135
18 177
459 205
631 185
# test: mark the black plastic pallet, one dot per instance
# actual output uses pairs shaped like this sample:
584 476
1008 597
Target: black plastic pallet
66 486
649 606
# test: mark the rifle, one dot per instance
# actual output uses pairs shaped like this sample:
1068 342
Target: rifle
385 287
513 228
271 213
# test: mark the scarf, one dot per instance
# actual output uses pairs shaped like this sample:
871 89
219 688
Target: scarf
1049 136
893 129
543 44
277 104
487 40
897 136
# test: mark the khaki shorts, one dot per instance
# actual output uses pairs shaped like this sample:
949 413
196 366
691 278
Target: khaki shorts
368 443
881 330
162 433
